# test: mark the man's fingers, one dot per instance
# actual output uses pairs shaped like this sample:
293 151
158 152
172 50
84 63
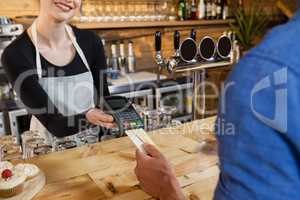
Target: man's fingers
136 171
152 151
140 156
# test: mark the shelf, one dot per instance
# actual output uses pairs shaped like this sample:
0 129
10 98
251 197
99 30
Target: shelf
124 25
127 25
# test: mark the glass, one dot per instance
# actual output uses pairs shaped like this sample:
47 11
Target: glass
100 7
9 148
107 10
88 137
115 132
151 10
171 15
32 141
138 11
152 119
85 8
175 123
123 10
140 109
42 150
167 112
163 10
64 143
158 11
11 152
115 10
144 11
128 10
2 153
131 11
9 139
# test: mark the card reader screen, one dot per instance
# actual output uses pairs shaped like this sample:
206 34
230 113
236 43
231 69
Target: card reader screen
117 103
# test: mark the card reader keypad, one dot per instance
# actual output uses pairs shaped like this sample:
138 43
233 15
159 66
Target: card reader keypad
130 119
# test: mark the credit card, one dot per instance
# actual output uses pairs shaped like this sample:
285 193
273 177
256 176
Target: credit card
140 137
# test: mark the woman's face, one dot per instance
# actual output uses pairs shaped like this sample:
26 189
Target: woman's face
60 10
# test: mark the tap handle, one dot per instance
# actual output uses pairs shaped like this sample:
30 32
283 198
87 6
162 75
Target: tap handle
158 41
194 34
176 40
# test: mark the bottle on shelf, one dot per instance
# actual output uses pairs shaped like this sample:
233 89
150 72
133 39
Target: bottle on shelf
219 9
122 59
181 10
240 3
208 10
187 10
106 49
214 9
114 61
193 10
225 9
131 60
201 9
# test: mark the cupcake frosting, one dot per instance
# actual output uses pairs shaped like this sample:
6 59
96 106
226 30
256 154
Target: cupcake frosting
29 170
16 179
5 165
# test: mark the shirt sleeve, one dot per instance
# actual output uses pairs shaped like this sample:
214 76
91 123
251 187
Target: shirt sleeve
22 75
99 69
256 148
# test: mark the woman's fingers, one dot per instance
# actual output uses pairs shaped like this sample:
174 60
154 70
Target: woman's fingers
101 116
106 125
98 117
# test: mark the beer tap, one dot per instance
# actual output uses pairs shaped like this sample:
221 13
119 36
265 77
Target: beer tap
176 43
190 57
159 57
172 64
194 34
161 63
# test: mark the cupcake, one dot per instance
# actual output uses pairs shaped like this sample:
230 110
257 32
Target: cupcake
29 170
11 183
5 165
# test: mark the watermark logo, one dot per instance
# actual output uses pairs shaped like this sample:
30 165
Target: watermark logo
279 122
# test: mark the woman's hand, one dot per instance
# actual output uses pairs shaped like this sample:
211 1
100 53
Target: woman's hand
98 117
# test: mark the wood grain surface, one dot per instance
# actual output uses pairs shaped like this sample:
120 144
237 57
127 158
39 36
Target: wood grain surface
106 170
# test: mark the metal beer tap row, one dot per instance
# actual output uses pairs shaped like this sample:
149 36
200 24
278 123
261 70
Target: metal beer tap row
190 56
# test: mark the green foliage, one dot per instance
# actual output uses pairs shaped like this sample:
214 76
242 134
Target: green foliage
250 22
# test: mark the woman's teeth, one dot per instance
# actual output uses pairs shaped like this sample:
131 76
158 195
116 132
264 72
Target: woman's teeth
63 7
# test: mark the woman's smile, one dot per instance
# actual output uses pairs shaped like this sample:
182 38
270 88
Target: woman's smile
64 6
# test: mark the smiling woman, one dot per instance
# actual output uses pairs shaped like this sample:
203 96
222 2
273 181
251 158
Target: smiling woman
55 61
60 10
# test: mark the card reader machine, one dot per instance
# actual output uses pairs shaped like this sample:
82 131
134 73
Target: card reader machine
123 112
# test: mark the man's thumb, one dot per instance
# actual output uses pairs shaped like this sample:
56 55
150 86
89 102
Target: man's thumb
152 150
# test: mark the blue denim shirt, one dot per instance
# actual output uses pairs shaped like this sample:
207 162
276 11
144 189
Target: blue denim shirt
258 127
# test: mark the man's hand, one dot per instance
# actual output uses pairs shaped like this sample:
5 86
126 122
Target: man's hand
156 176
98 117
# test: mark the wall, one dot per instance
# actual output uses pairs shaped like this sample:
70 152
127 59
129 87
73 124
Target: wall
31 7
143 38
14 8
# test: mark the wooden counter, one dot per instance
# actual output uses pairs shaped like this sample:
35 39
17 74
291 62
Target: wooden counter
106 170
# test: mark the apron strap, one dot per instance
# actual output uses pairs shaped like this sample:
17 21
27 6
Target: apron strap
73 40
77 47
37 52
